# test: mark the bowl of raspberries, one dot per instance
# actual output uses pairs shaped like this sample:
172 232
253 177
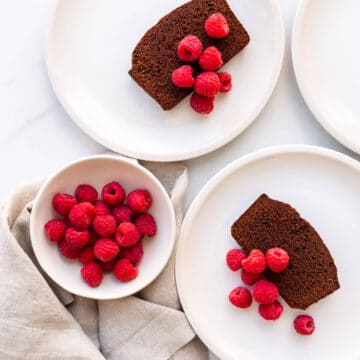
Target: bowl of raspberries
103 227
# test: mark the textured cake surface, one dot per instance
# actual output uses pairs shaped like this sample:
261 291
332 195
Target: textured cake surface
155 57
312 273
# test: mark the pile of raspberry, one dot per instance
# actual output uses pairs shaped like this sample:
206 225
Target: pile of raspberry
264 292
104 233
207 83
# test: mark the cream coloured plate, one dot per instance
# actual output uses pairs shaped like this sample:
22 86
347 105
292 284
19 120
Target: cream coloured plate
323 186
88 54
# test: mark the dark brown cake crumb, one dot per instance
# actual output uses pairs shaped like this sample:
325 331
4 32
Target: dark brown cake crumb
312 273
155 57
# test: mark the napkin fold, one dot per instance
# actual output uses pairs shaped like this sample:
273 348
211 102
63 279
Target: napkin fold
40 320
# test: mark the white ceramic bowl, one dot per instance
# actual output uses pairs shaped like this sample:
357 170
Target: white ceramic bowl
98 171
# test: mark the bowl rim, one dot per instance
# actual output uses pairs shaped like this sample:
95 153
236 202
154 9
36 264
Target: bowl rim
121 159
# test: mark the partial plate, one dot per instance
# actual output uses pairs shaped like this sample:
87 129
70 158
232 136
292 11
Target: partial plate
323 186
88 55
326 60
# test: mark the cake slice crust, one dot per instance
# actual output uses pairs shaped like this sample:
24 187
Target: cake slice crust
312 273
155 56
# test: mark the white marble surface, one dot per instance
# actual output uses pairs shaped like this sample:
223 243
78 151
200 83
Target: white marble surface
37 136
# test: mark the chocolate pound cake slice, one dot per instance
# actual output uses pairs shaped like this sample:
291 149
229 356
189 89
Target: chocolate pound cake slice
311 274
155 57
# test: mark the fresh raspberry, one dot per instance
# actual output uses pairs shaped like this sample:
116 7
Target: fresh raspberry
81 215
183 77
265 292
277 259
101 208
225 81
189 48
133 253
86 193
249 278
92 274
304 324
104 225
77 239
124 270
234 258
202 104
106 249
55 229
63 203
66 251
127 234
108 266
255 263
211 59
216 26
271 311
146 225
122 214
207 84
86 255
139 200
113 194
240 297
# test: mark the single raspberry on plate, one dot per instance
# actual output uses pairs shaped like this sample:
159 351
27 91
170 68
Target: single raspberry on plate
189 48
146 224
133 253
139 200
183 77
207 84
127 234
234 257
277 259
86 193
66 251
101 208
86 255
104 225
271 311
216 26
255 263
55 229
113 194
240 297
249 278
122 214
304 324
92 274
77 239
201 104
124 270
63 203
211 59
106 249
265 292
81 215
108 266
225 81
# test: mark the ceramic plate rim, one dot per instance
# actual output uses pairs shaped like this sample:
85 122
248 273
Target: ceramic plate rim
139 167
79 121
310 101
214 182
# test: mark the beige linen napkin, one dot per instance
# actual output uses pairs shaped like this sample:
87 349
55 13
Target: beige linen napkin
39 320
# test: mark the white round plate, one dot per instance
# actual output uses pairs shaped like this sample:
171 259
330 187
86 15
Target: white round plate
98 171
323 186
326 59
88 54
